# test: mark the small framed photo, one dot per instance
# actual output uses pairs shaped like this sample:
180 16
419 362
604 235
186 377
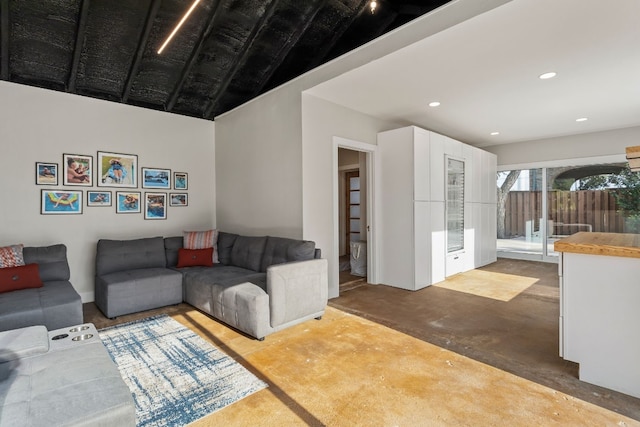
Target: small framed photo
156 178
98 198
117 170
46 173
178 199
180 181
61 202
155 206
128 202
78 169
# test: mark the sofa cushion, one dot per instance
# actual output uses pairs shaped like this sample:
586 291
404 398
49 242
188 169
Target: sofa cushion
247 252
171 247
279 250
23 342
121 255
202 240
195 257
225 244
51 260
20 277
11 256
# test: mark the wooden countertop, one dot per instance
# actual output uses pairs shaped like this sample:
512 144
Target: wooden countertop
609 244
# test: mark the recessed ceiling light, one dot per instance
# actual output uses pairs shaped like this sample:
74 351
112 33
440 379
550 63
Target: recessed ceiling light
582 119
495 133
434 104
548 75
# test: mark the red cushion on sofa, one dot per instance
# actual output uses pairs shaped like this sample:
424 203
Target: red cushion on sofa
22 277
195 257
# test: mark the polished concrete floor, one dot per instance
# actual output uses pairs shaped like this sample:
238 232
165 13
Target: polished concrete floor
479 349
504 315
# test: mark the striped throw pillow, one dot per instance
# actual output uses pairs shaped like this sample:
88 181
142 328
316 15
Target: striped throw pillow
201 240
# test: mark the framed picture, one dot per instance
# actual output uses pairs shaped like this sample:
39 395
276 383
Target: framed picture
178 199
155 205
180 181
61 202
78 169
156 178
46 173
128 202
117 170
98 198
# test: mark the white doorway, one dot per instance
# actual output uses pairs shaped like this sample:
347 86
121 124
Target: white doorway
354 234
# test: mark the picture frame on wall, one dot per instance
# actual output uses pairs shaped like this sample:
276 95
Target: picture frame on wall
99 198
128 202
156 178
78 169
155 206
61 202
180 181
117 170
178 199
46 173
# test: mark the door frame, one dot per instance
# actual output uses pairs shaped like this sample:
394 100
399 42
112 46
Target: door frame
372 247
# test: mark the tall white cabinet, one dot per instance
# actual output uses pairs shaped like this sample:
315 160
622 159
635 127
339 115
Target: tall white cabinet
412 195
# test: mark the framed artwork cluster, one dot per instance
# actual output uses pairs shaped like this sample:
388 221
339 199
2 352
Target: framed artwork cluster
116 170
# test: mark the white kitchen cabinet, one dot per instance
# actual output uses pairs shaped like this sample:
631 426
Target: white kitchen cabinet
411 196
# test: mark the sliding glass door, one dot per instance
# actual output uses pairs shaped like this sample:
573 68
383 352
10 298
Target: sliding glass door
536 207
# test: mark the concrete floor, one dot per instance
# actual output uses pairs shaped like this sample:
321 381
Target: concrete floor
445 358
504 315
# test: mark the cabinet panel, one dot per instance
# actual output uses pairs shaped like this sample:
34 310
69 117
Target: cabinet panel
422 181
422 244
437 164
438 242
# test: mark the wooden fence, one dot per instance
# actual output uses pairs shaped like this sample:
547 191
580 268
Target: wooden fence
569 212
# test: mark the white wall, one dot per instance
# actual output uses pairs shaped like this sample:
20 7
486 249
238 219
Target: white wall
595 144
40 125
321 121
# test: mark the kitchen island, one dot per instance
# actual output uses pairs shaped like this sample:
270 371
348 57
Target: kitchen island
600 308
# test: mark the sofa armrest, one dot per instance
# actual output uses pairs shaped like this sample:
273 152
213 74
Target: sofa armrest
297 289
23 342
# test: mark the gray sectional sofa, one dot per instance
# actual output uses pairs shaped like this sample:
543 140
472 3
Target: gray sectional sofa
261 285
55 305
60 382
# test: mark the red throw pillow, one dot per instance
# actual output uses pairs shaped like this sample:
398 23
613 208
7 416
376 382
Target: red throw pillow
195 257
22 277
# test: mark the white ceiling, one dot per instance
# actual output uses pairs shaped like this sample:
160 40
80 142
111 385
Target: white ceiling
485 74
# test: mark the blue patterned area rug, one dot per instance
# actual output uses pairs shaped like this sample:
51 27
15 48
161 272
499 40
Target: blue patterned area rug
175 376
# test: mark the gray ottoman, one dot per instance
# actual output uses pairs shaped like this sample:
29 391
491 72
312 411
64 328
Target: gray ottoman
63 377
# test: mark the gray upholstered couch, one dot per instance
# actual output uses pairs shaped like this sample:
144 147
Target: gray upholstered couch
132 276
47 382
261 285
55 305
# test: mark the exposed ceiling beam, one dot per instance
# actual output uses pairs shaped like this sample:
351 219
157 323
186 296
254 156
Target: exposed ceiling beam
4 39
77 49
339 32
293 39
240 59
142 44
193 58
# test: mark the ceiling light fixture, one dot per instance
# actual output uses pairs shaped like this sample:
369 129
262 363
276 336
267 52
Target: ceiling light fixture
582 119
434 104
548 75
175 30
495 133
373 5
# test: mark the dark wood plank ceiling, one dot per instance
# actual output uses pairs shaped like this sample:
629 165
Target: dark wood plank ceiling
226 53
